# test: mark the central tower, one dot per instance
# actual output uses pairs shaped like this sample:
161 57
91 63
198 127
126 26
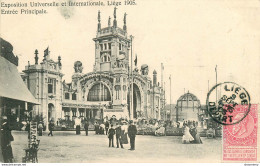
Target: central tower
112 47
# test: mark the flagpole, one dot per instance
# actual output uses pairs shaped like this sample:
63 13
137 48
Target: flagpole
47 124
132 98
216 70
171 97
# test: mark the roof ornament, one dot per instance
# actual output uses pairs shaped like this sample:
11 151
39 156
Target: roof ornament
115 22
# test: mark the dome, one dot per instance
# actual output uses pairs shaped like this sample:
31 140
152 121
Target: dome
188 97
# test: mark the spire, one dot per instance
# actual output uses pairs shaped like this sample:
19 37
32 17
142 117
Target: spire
99 24
109 21
115 22
124 28
36 57
154 77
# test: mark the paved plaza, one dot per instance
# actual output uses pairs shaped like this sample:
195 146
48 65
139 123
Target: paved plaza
66 146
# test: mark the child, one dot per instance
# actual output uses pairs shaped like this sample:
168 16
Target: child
111 133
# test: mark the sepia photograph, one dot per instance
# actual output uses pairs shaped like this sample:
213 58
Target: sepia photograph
129 81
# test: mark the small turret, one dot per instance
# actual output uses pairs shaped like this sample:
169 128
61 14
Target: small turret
99 24
36 56
154 77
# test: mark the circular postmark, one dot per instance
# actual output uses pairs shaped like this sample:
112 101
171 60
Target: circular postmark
228 103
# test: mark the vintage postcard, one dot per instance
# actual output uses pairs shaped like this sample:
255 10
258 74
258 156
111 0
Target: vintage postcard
129 81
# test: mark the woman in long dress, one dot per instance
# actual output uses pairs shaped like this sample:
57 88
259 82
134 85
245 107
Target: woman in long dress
197 139
187 137
124 130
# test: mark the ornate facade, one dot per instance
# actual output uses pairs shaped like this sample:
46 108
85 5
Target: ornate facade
102 93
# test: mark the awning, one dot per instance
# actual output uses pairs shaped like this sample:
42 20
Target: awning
11 83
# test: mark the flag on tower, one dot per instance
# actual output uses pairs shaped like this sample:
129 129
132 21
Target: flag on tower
46 52
135 60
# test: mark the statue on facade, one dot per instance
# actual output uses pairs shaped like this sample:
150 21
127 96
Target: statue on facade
78 67
144 69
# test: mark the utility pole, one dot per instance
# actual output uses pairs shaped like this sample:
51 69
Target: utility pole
132 88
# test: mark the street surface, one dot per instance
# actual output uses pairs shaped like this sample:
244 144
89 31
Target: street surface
67 147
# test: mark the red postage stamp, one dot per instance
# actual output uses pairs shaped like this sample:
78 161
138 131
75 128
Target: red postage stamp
240 140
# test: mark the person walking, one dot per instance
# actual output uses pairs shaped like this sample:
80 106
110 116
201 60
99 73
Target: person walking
40 128
51 128
118 136
132 131
86 127
96 128
77 124
111 133
107 126
6 139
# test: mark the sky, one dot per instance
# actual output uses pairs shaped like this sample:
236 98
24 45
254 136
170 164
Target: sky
189 37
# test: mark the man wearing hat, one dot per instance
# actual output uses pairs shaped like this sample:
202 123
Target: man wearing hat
6 138
131 134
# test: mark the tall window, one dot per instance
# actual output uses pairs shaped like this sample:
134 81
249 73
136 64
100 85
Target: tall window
74 96
120 46
109 46
105 58
99 92
124 89
105 46
67 96
101 47
117 88
51 85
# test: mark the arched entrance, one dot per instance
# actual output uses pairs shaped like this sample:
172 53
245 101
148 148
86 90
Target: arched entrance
99 92
136 101
187 108
51 112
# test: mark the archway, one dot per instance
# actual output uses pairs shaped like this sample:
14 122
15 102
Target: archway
99 92
187 108
51 112
136 101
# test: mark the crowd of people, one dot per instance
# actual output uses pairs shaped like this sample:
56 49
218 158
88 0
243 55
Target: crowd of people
122 132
